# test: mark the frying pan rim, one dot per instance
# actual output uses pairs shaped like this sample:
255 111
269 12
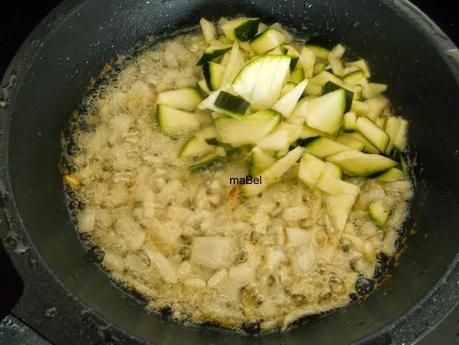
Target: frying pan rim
24 59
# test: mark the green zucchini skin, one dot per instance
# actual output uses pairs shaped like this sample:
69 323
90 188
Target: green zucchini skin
206 57
294 62
212 74
234 104
247 31
349 95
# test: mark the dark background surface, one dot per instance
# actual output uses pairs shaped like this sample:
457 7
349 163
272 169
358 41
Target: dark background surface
18 18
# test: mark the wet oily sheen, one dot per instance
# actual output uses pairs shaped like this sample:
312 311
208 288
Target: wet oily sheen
164 202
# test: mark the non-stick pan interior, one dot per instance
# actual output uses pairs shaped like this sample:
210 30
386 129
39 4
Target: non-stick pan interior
401 54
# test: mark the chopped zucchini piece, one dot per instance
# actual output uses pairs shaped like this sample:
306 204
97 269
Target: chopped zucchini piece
294 131
289 86
195 147
314 90
203 88
330 87
277 51
224 60
321 52
325 113
373 133
334 58
339 206
402 136
349 121
261 81
319 67
172 121
236 62
348 70
280 154
260 161
330 184
333 170
223 102
371 90
232 104
369 147
213 52
311 169
293 53
379 213
208 30
207 133
355 78
308 132
286 105
273 173
243 29
324 147
213 73
392 126
298 116
363 66
324 77
360 108
248 30
381 122
307 59
351 141
267 41
186 98
210 159
355 163
390 175
376 106
276 141
248 129
297 75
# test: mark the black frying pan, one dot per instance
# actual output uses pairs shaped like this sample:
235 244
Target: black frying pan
70 301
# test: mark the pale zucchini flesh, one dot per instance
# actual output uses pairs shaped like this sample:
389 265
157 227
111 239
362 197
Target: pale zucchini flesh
339 207
351 141
401 141
372 133
390 175
350 119
208 30
326 113
268 40
173 121
311 169
355 163
260 161
286 105
195 147
213 74
260 83
391 128
187 98
324 147
379 213
273 173
276 141
248 129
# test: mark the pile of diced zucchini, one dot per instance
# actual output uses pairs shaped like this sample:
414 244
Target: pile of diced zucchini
287 103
